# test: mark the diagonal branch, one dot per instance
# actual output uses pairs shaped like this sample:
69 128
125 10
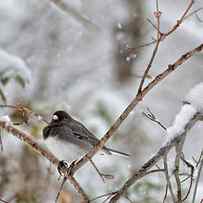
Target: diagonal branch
45 153
151 162
158 41
29 140
169 185
64 7
137 99
198 178
142 92
181 19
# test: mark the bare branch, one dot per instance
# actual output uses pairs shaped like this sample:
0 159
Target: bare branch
101 175
60 189
190 176
158 40
181 19
142 92
25 112
193 13
102 196
29 140
166 193
179 147
198 18
198 178
1 200
184 16
133 104
153 118
169 185
63 6
152 161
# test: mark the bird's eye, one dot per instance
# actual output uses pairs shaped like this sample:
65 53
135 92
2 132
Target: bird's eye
55 117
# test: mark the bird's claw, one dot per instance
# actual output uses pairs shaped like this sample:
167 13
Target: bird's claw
65 169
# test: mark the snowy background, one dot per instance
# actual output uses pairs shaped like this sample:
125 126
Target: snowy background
77 61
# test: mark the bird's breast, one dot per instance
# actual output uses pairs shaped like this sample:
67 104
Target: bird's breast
64 150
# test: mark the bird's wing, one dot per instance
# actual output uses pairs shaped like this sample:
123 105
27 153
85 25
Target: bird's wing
71 133
82 133
58 130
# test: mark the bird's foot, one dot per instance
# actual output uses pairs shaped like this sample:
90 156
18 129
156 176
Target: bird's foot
65 169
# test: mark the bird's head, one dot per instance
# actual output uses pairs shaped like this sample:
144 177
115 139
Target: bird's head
57 119
60 116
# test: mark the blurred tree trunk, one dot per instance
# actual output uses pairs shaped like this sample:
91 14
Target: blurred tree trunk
128 34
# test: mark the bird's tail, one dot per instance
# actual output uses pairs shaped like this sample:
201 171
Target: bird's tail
113 151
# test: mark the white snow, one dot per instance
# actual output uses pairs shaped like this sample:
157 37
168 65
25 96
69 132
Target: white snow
5 118
195 97
182 119
12 62
120 26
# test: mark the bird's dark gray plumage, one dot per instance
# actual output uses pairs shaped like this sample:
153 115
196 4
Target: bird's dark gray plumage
65 128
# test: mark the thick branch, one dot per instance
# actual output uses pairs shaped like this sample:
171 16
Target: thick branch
133 104
29 140
151 162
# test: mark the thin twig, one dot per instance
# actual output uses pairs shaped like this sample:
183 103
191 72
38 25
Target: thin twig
60 189
179 147
193 13
29 140
102 196
181 19
154 159
133 104
25 112
66 8
101 175
133 49
199 159
1 200
189 165
198 18
140 173
158 40
169 185
155 171
184 16
185 179
153 118
166 193
197 180
153 25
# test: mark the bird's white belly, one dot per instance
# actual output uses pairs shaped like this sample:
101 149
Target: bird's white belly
64 151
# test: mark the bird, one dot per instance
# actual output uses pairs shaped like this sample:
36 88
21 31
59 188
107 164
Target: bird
73 135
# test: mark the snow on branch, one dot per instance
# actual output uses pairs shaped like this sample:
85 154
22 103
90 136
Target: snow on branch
195 97
189 114
185 115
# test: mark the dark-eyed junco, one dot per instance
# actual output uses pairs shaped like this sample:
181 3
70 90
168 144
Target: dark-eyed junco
72 135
